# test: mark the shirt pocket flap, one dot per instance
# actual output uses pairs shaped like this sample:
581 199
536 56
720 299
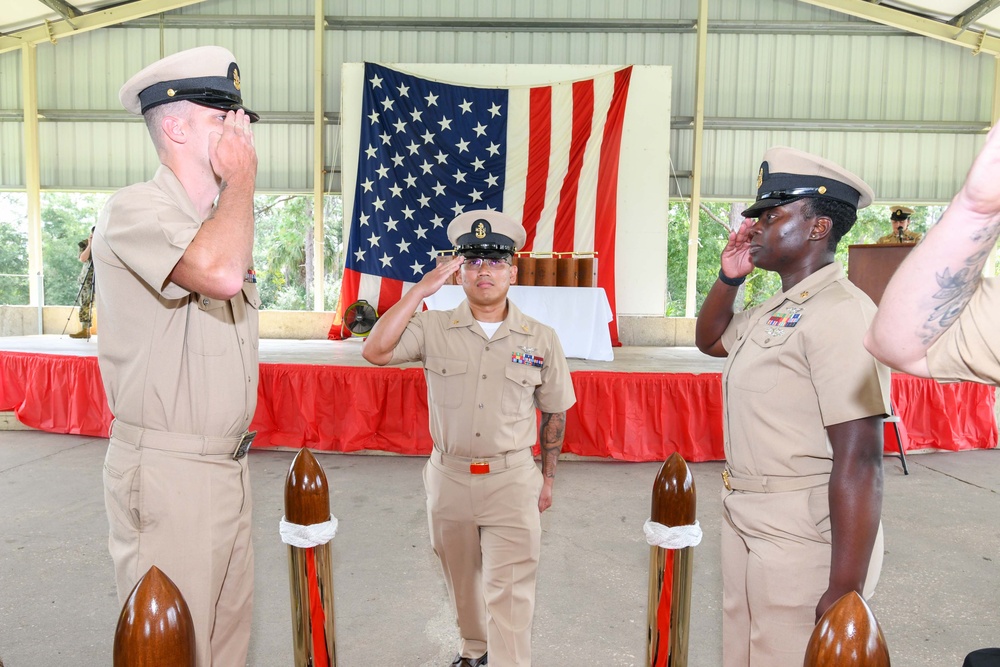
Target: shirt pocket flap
251 295
771 336
209 304
446 367
522 374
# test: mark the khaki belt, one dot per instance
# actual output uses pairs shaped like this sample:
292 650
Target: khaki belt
772 484
482 466
187 443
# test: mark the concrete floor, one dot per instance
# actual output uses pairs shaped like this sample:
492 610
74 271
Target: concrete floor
936 601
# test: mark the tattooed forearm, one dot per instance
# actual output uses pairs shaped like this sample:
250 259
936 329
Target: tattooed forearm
955 290
954 294
551 434
987 235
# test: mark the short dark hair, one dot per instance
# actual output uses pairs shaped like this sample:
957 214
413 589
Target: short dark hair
842 215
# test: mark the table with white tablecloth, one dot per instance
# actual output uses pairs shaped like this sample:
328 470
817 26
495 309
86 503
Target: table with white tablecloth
580 315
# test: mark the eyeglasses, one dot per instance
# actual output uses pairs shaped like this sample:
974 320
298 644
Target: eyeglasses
491 263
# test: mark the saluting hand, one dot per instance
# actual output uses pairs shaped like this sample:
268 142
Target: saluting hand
232 152
438 276
736 261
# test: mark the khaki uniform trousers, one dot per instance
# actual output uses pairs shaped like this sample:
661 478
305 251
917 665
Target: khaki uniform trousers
189 514
486 531
775 568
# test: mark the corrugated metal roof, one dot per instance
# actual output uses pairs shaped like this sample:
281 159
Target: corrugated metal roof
912 105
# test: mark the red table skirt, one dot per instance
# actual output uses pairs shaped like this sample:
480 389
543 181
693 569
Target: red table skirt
625 416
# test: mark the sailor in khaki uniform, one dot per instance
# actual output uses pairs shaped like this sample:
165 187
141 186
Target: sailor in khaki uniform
178 348
939 317
804 404
488 367
900 217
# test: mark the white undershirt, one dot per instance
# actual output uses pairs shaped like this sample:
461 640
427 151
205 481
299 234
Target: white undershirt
490 328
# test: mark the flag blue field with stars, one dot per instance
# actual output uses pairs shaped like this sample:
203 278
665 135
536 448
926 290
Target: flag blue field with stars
429 151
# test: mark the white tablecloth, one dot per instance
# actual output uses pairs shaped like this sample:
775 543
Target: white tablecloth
580 315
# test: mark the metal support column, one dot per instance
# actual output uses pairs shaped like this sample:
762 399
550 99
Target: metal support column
699 126
319 174
32 172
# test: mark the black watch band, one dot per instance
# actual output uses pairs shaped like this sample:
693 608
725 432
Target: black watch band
732 282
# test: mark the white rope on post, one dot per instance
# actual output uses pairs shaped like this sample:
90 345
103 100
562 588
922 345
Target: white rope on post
676 537
305 537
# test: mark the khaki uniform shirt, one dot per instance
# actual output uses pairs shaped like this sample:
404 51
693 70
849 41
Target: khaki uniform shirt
171 360
908 237
796 365
481 393
969 350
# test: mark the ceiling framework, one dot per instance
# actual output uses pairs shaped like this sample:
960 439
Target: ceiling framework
64 9
974 13
737 124
65 18
982 42
51 31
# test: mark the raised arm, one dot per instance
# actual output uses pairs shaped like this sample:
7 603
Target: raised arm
378 346
551 434
216 261
936 280
717 311
855 505
85 253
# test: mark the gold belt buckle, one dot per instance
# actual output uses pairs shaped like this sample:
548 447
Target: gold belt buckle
244 446
479 467
725 479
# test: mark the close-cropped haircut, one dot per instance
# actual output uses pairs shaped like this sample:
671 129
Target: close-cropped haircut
842 215
154 119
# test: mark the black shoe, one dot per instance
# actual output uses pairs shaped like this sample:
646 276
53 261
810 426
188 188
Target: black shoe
459 661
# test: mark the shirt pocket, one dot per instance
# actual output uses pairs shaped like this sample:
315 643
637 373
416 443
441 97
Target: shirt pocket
759 360
445 381
209 326
519 389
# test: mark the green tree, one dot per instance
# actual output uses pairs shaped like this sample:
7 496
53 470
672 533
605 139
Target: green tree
13 250
283 251
279 250
712 238
333 215
66 220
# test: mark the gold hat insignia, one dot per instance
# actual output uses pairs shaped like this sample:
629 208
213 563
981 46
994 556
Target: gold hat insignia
236 78
480 231
760 177
822 189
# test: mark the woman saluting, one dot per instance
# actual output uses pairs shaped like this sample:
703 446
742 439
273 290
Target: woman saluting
804 403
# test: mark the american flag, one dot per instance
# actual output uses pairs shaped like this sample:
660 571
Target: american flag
430 150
